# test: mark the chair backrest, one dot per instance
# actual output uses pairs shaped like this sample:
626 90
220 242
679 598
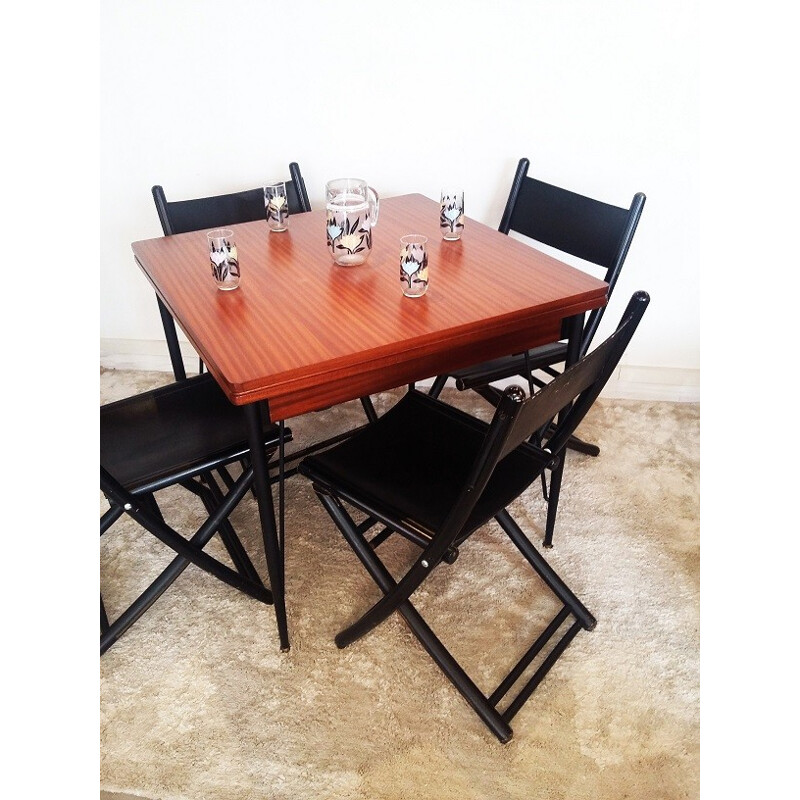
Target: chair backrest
574 224
517 419
182 216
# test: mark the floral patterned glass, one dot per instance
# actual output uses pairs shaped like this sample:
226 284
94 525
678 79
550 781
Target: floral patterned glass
414 265
224 258
451 218
277 207
352 213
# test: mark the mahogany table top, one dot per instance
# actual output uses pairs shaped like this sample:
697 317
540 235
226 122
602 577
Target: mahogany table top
303 333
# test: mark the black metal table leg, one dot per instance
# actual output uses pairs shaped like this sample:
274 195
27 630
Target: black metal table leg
575 332
266 511
173 345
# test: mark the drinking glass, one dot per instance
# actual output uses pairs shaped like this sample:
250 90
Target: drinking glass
276 204
224 259
414 265
451 218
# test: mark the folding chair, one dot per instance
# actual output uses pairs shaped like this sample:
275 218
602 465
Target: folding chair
593 231
435 475
177 435
182 216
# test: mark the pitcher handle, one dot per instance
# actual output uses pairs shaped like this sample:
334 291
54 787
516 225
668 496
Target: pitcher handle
374 201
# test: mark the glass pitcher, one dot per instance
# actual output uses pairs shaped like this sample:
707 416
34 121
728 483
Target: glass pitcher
352 208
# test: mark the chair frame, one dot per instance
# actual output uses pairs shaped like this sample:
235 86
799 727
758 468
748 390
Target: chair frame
138 501
140 508
615 260
528 211
554 235
569 396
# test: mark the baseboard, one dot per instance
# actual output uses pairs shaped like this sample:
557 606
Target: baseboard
143 355
628 382
654 383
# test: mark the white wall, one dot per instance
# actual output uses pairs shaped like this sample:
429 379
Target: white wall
206 97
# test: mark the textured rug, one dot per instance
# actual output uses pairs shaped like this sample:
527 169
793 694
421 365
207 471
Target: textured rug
196 701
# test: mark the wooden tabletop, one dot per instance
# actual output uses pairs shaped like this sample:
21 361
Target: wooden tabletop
304 334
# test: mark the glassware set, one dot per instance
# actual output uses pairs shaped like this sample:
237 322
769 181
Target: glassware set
352 208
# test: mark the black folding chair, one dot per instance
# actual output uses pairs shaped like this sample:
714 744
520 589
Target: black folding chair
183 216
178 435
579 226
435 475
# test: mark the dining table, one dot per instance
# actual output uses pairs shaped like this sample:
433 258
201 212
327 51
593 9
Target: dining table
302 333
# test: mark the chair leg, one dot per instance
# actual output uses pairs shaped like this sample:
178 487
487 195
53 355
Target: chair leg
580 446
110 517
392 598
438 652
490 394
142 603
485 707
438 385
369 408
545 495
545 571
149 596
188 552
103 617
229 538
150 503
528 689
490 716
552 500
226 475
210 495
573 443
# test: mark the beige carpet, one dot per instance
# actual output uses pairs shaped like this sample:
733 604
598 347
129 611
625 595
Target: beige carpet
196 701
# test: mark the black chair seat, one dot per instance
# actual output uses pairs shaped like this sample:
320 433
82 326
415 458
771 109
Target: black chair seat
422 484
189 426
